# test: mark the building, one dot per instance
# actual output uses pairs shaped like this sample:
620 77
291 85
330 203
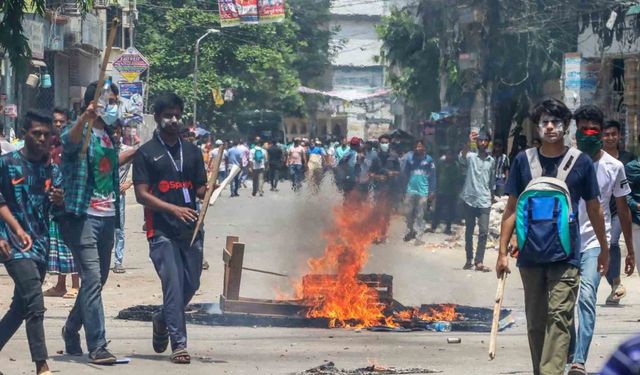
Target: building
67 49
359 102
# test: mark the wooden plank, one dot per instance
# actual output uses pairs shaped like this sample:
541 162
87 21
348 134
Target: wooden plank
213 178
227 252
235 271
262 307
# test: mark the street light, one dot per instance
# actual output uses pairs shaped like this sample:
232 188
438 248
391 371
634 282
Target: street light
195 73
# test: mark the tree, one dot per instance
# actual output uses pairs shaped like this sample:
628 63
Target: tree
263 64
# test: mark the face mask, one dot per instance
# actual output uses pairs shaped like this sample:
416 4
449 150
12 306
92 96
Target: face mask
589 141
167 123
110 115
384 147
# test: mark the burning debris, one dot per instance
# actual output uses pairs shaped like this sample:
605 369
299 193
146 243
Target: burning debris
329 368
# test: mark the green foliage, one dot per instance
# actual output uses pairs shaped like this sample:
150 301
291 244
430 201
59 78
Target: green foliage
263 64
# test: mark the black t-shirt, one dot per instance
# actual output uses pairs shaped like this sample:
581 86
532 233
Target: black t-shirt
153 166
275 155
582 183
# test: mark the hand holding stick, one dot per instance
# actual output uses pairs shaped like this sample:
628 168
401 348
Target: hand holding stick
213 177
496 315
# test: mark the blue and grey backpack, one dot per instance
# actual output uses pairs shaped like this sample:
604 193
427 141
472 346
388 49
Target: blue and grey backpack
545 224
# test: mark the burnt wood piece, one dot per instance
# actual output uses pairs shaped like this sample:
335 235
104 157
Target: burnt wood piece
381 283
226 257
263 307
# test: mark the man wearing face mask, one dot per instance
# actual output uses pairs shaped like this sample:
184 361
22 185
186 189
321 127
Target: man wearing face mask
91 215
385 182
169 175
551 283
613 183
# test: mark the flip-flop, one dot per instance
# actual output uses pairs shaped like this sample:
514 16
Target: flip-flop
71 294
181 357
53 292
482 268
467 266
577 369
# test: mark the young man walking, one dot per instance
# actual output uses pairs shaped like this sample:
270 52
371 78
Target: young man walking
258 161
27 180
611 145
91 186
235 158
169 176
446 191
613 183
477 196
549 261
420 171
296 160
274 156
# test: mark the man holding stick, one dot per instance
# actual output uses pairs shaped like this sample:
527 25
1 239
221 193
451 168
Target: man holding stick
169 176
549 257
91 214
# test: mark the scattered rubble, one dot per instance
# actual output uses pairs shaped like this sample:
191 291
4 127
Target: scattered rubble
495 218
329 368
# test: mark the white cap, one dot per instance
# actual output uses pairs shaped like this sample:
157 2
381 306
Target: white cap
219 142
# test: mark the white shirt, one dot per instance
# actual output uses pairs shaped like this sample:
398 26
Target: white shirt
258 164
225 156
612 181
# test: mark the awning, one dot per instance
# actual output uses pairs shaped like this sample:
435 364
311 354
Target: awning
347 95
38 63
633 10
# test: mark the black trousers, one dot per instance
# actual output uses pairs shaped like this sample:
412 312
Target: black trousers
446 205
27 305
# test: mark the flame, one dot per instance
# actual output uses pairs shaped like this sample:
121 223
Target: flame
444 312
331 288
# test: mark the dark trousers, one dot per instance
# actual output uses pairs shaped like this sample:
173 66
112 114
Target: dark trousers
257 178
27 305
90 239
482 215
445 210
179 268
273 174
235 184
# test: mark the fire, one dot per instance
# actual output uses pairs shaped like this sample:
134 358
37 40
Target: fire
445 312
331 288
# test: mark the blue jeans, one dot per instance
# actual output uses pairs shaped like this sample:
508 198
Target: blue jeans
614 250
297 172
120 235
91 241
179 268
221 176
587 296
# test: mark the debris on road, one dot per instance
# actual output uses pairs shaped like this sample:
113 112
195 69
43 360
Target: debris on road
454 340
329 368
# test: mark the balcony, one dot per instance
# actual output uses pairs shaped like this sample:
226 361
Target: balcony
85 32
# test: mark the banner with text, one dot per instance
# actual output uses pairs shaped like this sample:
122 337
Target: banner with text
228 13
270 11
248 11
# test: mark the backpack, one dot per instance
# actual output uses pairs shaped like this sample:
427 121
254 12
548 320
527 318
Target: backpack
345 173
545 224
258 155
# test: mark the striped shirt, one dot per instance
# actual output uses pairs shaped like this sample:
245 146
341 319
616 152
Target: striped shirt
626 360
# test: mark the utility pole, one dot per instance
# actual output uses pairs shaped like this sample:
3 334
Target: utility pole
131 8
195 72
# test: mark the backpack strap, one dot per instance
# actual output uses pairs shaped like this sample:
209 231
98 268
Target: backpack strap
567 163
534 163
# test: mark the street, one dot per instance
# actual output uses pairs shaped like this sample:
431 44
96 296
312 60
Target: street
281 231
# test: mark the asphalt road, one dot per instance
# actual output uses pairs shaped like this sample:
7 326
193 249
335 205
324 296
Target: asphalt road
281 231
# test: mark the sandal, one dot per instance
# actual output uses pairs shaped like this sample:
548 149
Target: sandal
160 339
482 268
53 292
181 357
71 294
467 266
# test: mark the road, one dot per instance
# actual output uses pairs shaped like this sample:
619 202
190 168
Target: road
281 231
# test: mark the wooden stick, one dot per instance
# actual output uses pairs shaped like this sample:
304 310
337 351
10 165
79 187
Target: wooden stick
265 272
496 315
103 70
213 177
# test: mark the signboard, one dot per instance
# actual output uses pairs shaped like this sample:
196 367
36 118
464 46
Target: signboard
34 30
270 11
129 89
11 110
228 13
131 64
248 11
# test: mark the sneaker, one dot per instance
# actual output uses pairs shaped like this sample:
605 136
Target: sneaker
118 268
101 356
409 236
205 265
71 342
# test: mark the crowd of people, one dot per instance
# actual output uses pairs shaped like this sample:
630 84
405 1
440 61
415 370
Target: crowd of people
62 194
